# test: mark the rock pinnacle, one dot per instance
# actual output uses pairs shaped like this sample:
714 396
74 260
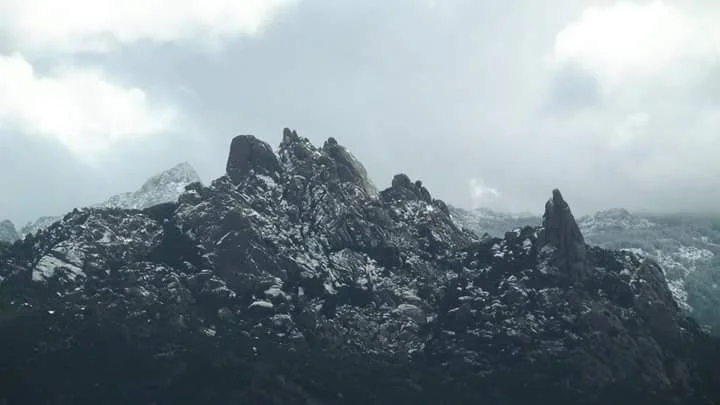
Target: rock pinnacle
562 232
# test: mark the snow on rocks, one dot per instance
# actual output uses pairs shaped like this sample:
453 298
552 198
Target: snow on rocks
298 250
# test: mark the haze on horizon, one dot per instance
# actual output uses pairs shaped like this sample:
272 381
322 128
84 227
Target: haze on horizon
491 104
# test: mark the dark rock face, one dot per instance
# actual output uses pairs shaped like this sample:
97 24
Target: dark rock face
349 169
291 281
561 233
249 155
404 188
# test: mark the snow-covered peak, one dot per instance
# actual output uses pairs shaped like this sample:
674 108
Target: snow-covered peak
180 174
164 187
614 218
161 188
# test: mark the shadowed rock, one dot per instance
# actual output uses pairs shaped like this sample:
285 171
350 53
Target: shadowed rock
349 169
251 155
289 135
403 188
562 232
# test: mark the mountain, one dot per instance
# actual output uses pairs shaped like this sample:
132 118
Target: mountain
40 223
161 188
687 248
293 280
486 221
8 233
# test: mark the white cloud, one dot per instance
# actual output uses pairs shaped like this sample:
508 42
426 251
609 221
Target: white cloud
629 41
654 63
630 131
99 25
481 194
80 108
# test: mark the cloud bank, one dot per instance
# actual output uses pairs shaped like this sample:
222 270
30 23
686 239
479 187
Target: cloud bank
647 69
101 25
80 108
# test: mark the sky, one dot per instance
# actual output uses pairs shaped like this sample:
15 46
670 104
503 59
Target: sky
490 103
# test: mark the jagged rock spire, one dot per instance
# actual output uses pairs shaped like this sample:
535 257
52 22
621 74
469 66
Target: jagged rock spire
289 135
249 154
349 169
562 232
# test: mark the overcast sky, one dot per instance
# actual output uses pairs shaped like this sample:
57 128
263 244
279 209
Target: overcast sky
490 103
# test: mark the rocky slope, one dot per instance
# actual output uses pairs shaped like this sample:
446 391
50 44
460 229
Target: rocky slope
292 280
687 248
161 188
8 233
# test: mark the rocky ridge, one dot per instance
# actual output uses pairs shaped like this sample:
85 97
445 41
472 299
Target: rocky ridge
161 188
687 248
293 280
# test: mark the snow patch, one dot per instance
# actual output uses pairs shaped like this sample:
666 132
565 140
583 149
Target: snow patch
48 264
209 332
262 304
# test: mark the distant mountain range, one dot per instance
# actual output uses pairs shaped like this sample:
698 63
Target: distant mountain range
161 188
686 247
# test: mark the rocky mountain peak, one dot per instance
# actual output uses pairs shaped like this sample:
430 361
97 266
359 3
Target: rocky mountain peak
309 290
297 154
614 213
561 232
43 222
348 167
289 135
8 233
180 174
330 165
249 155
405 189
160 188
615 219
163 187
